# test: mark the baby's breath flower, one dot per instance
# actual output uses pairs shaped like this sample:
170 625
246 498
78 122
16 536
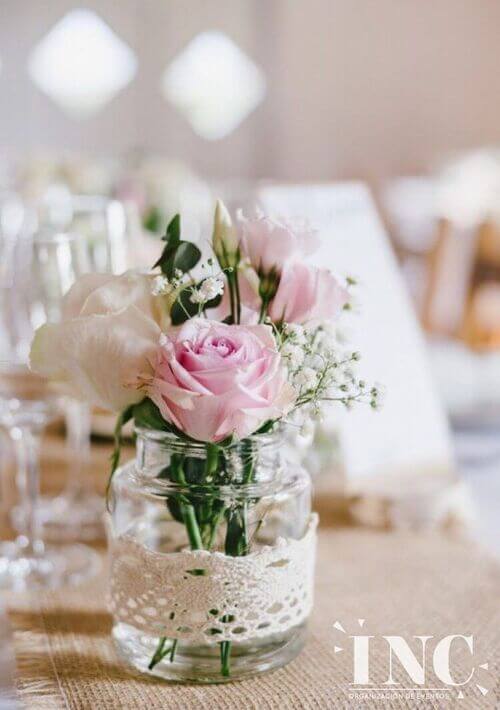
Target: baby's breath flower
295 332
161 286
307 428
293 354
208 290
211 288
306 378
196 296
316 361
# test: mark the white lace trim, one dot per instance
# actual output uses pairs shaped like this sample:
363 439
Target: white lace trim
208 597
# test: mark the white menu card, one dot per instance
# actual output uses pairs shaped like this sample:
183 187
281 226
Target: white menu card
409 435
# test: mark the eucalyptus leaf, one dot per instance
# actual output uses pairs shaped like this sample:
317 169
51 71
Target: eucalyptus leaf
165 262
172 239
173 235
186 256
214 302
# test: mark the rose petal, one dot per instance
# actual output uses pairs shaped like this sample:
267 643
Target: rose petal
104 358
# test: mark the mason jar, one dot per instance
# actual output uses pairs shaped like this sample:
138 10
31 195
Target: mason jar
211 557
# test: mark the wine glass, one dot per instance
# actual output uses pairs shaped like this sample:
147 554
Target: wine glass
98 227
36 272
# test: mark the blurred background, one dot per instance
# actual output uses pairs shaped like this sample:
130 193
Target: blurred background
116 115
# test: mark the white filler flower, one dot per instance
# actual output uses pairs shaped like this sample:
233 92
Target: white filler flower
293 354
209 289
161 286
306 378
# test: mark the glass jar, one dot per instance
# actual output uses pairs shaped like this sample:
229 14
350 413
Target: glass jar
211 558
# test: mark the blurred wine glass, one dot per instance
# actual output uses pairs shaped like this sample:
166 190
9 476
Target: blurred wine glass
36 271
99 243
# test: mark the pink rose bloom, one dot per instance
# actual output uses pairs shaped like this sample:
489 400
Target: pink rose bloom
268 242
213 380
307 293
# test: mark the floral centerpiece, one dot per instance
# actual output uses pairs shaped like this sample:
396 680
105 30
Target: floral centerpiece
211 533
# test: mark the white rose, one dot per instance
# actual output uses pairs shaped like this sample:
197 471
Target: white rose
104 347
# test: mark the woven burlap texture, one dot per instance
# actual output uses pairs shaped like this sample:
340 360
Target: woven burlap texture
399 583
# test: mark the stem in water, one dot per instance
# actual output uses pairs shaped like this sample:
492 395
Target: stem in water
26 444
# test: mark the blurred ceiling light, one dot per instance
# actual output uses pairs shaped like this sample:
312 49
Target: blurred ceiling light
81 64
213 84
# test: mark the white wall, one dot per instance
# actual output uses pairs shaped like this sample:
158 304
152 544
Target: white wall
356 87
384 86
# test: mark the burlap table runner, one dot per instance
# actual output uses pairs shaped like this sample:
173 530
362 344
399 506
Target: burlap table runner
399 583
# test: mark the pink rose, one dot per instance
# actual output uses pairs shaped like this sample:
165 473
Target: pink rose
307 293
213 380
268 243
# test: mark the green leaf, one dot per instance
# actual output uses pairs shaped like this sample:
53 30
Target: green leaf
214 302
177 254
153 220
266 427
172 239
173 235
183 308
147 415
186 256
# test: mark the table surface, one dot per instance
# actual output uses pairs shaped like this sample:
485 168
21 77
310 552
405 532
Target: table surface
484 483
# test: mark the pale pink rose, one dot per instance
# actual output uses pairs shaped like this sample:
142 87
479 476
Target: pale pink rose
307 293
269 243
214 380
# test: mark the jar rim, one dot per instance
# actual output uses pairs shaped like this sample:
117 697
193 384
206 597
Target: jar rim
161 436
251 460
293 475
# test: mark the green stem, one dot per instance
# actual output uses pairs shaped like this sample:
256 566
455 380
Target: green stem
232 297
212 460
248 461
173 650
213 527
193 530
237 543
263 310
195 542
237 295
225 658
159 654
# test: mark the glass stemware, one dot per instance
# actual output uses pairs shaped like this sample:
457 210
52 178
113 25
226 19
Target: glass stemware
36 274
26 407
98 228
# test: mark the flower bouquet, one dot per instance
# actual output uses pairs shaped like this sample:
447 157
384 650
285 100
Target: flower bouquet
211 534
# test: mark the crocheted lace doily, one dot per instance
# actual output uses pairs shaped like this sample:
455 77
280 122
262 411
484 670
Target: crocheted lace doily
208 597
